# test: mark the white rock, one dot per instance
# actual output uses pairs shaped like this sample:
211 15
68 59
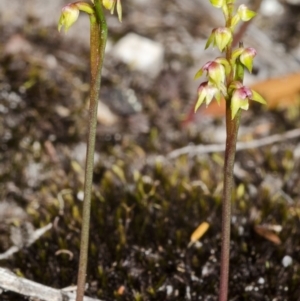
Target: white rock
140 54
105 115
80 195
270 8
261 280
296 152
79 154
169 289
33 172
287 261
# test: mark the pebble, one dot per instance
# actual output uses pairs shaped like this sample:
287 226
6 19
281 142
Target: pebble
261 280
287 261
80 195
296 152
271 8
79 154
169 289
140 54
105 116
17 44
33 174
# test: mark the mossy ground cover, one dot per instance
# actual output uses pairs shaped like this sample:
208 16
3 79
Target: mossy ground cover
145 205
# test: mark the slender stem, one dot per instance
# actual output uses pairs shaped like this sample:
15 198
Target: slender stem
232 131
98 41
232 126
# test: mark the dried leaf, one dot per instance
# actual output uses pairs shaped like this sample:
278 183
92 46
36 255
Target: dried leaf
268 234
281 91
199 232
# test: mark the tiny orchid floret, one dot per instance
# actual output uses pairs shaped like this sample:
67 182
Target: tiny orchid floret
70 13
245 13
241 96
247 57
218 3
207 92
110 5
215 72
240 100
219 37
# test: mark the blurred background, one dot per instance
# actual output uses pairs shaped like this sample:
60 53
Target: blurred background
150 194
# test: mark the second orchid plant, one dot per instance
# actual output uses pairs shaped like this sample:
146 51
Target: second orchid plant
225 80
98 36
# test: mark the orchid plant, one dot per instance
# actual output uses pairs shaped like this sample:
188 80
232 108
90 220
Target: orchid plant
225 80
98 36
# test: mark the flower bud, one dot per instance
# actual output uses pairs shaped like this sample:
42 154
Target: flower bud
206 92
240 100
245 13
220 37
110 5
69 15
241 96
218 3
215 72
246 58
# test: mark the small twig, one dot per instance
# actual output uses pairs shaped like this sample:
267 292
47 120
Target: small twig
10 252
10 282
34 237
193 150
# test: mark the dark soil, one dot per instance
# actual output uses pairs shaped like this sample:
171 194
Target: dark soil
145 205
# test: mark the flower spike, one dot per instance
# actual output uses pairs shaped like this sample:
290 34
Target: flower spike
225 76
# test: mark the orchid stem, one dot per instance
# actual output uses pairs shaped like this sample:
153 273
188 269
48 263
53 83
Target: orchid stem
231 139
232 128
98 36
